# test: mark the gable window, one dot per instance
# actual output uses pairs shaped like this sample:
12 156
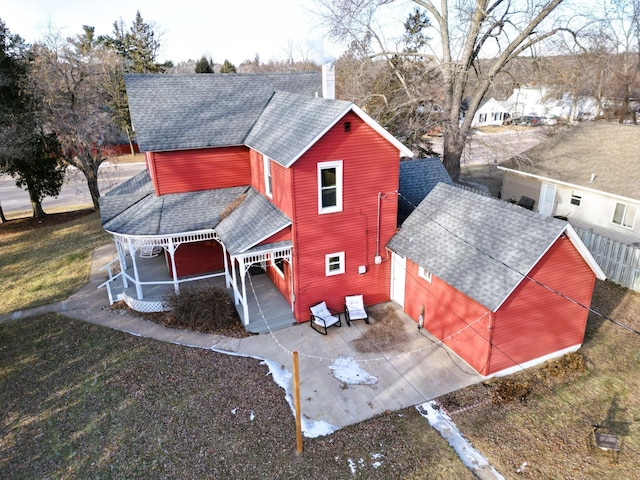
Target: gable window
425 274
576 198
330 187
624 215
266 161
334 263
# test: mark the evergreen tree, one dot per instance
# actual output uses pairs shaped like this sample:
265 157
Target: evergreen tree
228 67
204 66
27 154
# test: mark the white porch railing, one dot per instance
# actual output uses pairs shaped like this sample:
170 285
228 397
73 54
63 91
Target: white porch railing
111 279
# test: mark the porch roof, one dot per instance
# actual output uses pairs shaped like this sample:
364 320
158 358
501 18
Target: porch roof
134 209
251 222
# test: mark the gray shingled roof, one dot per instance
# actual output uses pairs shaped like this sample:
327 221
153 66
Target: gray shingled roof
253 221
134 209
479 245
610 151
180 112
291 123
417 179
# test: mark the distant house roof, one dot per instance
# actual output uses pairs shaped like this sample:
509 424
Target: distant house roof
481 246
417 179
180 112
610 152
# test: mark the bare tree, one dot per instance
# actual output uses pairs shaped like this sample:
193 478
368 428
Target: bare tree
465 31
66 76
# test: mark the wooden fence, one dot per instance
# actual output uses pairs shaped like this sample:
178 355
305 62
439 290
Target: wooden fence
620 262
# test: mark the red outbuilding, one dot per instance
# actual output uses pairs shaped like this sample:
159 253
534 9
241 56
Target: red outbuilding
503 287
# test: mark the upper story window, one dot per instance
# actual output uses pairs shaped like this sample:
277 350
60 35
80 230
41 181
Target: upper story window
330 187
624 215
576 198
266 161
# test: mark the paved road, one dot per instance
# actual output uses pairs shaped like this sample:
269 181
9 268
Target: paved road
74 190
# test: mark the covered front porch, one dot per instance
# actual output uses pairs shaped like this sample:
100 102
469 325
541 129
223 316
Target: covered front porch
262 309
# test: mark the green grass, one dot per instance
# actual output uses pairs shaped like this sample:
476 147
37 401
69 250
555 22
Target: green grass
45 262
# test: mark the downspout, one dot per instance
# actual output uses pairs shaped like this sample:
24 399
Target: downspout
378 259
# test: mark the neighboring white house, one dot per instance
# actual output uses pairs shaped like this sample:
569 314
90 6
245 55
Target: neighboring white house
589 173
539 101
490 112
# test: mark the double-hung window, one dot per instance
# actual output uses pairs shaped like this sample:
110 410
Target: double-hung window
624 215
330 187
266 162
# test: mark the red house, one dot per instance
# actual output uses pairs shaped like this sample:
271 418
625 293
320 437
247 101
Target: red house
248 171
503 287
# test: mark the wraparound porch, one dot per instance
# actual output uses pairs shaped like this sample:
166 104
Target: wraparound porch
264 308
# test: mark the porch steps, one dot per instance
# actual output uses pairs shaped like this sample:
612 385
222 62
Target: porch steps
275 323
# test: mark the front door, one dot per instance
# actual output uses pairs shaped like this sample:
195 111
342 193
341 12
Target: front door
398 275
547 201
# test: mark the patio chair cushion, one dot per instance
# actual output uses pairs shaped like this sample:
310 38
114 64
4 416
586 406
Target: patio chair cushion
355 305
320 312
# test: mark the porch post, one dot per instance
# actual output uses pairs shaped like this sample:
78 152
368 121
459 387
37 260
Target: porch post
174 271
123 262
135 269
227 280
245 306
233 281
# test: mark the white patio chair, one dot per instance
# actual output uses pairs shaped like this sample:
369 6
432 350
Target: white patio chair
322 318
354 309
149 251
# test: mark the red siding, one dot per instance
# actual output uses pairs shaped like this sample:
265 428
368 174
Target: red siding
370 165
283 284
450 315
199 258
535 321
205 169
281 236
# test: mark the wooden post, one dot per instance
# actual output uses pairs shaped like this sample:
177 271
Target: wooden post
296 402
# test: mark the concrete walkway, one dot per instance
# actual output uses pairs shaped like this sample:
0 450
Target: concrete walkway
399 368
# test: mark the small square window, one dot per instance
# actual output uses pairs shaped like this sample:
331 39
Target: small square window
425 274
576 198
334 263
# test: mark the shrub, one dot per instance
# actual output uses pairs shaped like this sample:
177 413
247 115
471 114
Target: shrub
203 309
507 390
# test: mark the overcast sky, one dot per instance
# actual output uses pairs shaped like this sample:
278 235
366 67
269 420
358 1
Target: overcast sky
233 29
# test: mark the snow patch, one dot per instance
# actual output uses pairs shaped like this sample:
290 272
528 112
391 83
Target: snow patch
347 370
472 458
282 377
234 411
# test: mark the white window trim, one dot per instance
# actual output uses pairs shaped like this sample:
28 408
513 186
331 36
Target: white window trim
268 179
338 206
577 196
425 274
624 216
327 263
